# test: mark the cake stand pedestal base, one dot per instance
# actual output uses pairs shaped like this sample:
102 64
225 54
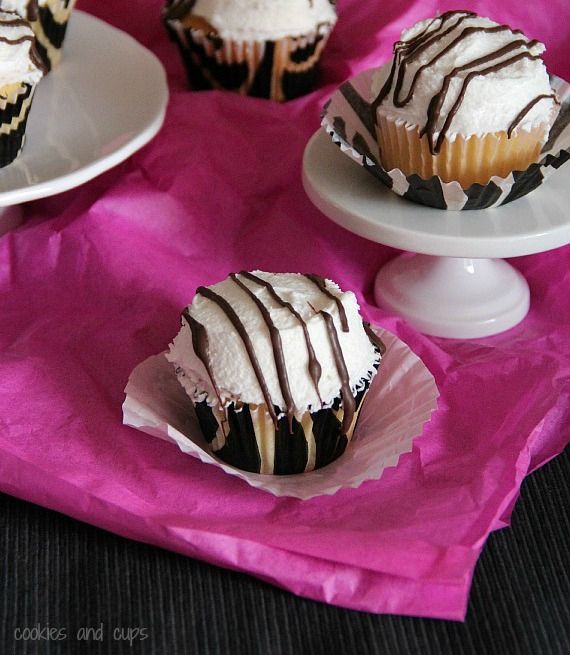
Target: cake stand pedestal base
453 297
457 286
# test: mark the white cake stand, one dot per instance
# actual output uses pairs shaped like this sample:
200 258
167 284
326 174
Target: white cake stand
452 288
104 101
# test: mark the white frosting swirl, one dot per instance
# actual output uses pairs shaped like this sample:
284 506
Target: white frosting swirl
231 366
260 20
492 101
16 40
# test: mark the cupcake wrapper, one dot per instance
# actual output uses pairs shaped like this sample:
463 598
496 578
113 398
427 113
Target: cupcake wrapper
399 403
253 444
348 119
50 32
13 120
280 70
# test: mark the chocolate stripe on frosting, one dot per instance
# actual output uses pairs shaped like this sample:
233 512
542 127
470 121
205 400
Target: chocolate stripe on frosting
224 305
465 33
374 338
278 353
403 48
322 285
435 113
201 346
406 52
348 399
524 111
21 39
17 22
315 369
34 55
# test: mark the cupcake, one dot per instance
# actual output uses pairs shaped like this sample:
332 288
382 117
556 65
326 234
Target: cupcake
277 366
465 99
263 48
48 19
21 68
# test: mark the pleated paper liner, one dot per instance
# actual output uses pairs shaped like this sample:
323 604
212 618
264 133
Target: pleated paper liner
400 400
280 70
348 119
13 121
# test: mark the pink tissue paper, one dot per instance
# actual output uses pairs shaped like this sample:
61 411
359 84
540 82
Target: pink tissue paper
93 283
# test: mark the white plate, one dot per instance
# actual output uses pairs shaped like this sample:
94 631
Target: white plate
353 198
106 100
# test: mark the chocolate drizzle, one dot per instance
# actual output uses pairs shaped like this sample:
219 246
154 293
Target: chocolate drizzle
417 44
201 346
34 54
32 10
17 22
315 369
405 52
278 354
348 399
374 338
524 111
228 310
321 284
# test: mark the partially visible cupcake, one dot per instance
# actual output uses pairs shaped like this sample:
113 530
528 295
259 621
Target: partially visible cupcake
49 19
465 99
21 68
277 366
263 48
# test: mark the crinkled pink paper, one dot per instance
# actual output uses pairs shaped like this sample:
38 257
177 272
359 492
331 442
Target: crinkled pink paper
93 283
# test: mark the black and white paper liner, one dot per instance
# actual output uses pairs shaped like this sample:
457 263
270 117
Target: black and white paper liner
399 403
349 121
13 121
279 70
50 30
249 440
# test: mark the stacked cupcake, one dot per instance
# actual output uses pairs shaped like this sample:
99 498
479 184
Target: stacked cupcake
277 366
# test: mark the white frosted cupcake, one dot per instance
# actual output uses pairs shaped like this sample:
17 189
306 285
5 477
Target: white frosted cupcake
48 19
264 48
465 99
277 366
21 68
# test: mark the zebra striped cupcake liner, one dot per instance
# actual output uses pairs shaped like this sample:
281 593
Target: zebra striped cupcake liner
13 121
50 30
249 440
398 404
279 70
349 121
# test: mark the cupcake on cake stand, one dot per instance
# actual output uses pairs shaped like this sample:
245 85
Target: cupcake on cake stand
452 281
104 101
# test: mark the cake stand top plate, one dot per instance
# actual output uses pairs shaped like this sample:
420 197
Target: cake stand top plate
351 197
104 101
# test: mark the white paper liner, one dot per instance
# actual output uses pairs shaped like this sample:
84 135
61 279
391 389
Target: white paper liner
401 400
349 121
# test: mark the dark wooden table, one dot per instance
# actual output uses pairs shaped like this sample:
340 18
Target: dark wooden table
60 574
